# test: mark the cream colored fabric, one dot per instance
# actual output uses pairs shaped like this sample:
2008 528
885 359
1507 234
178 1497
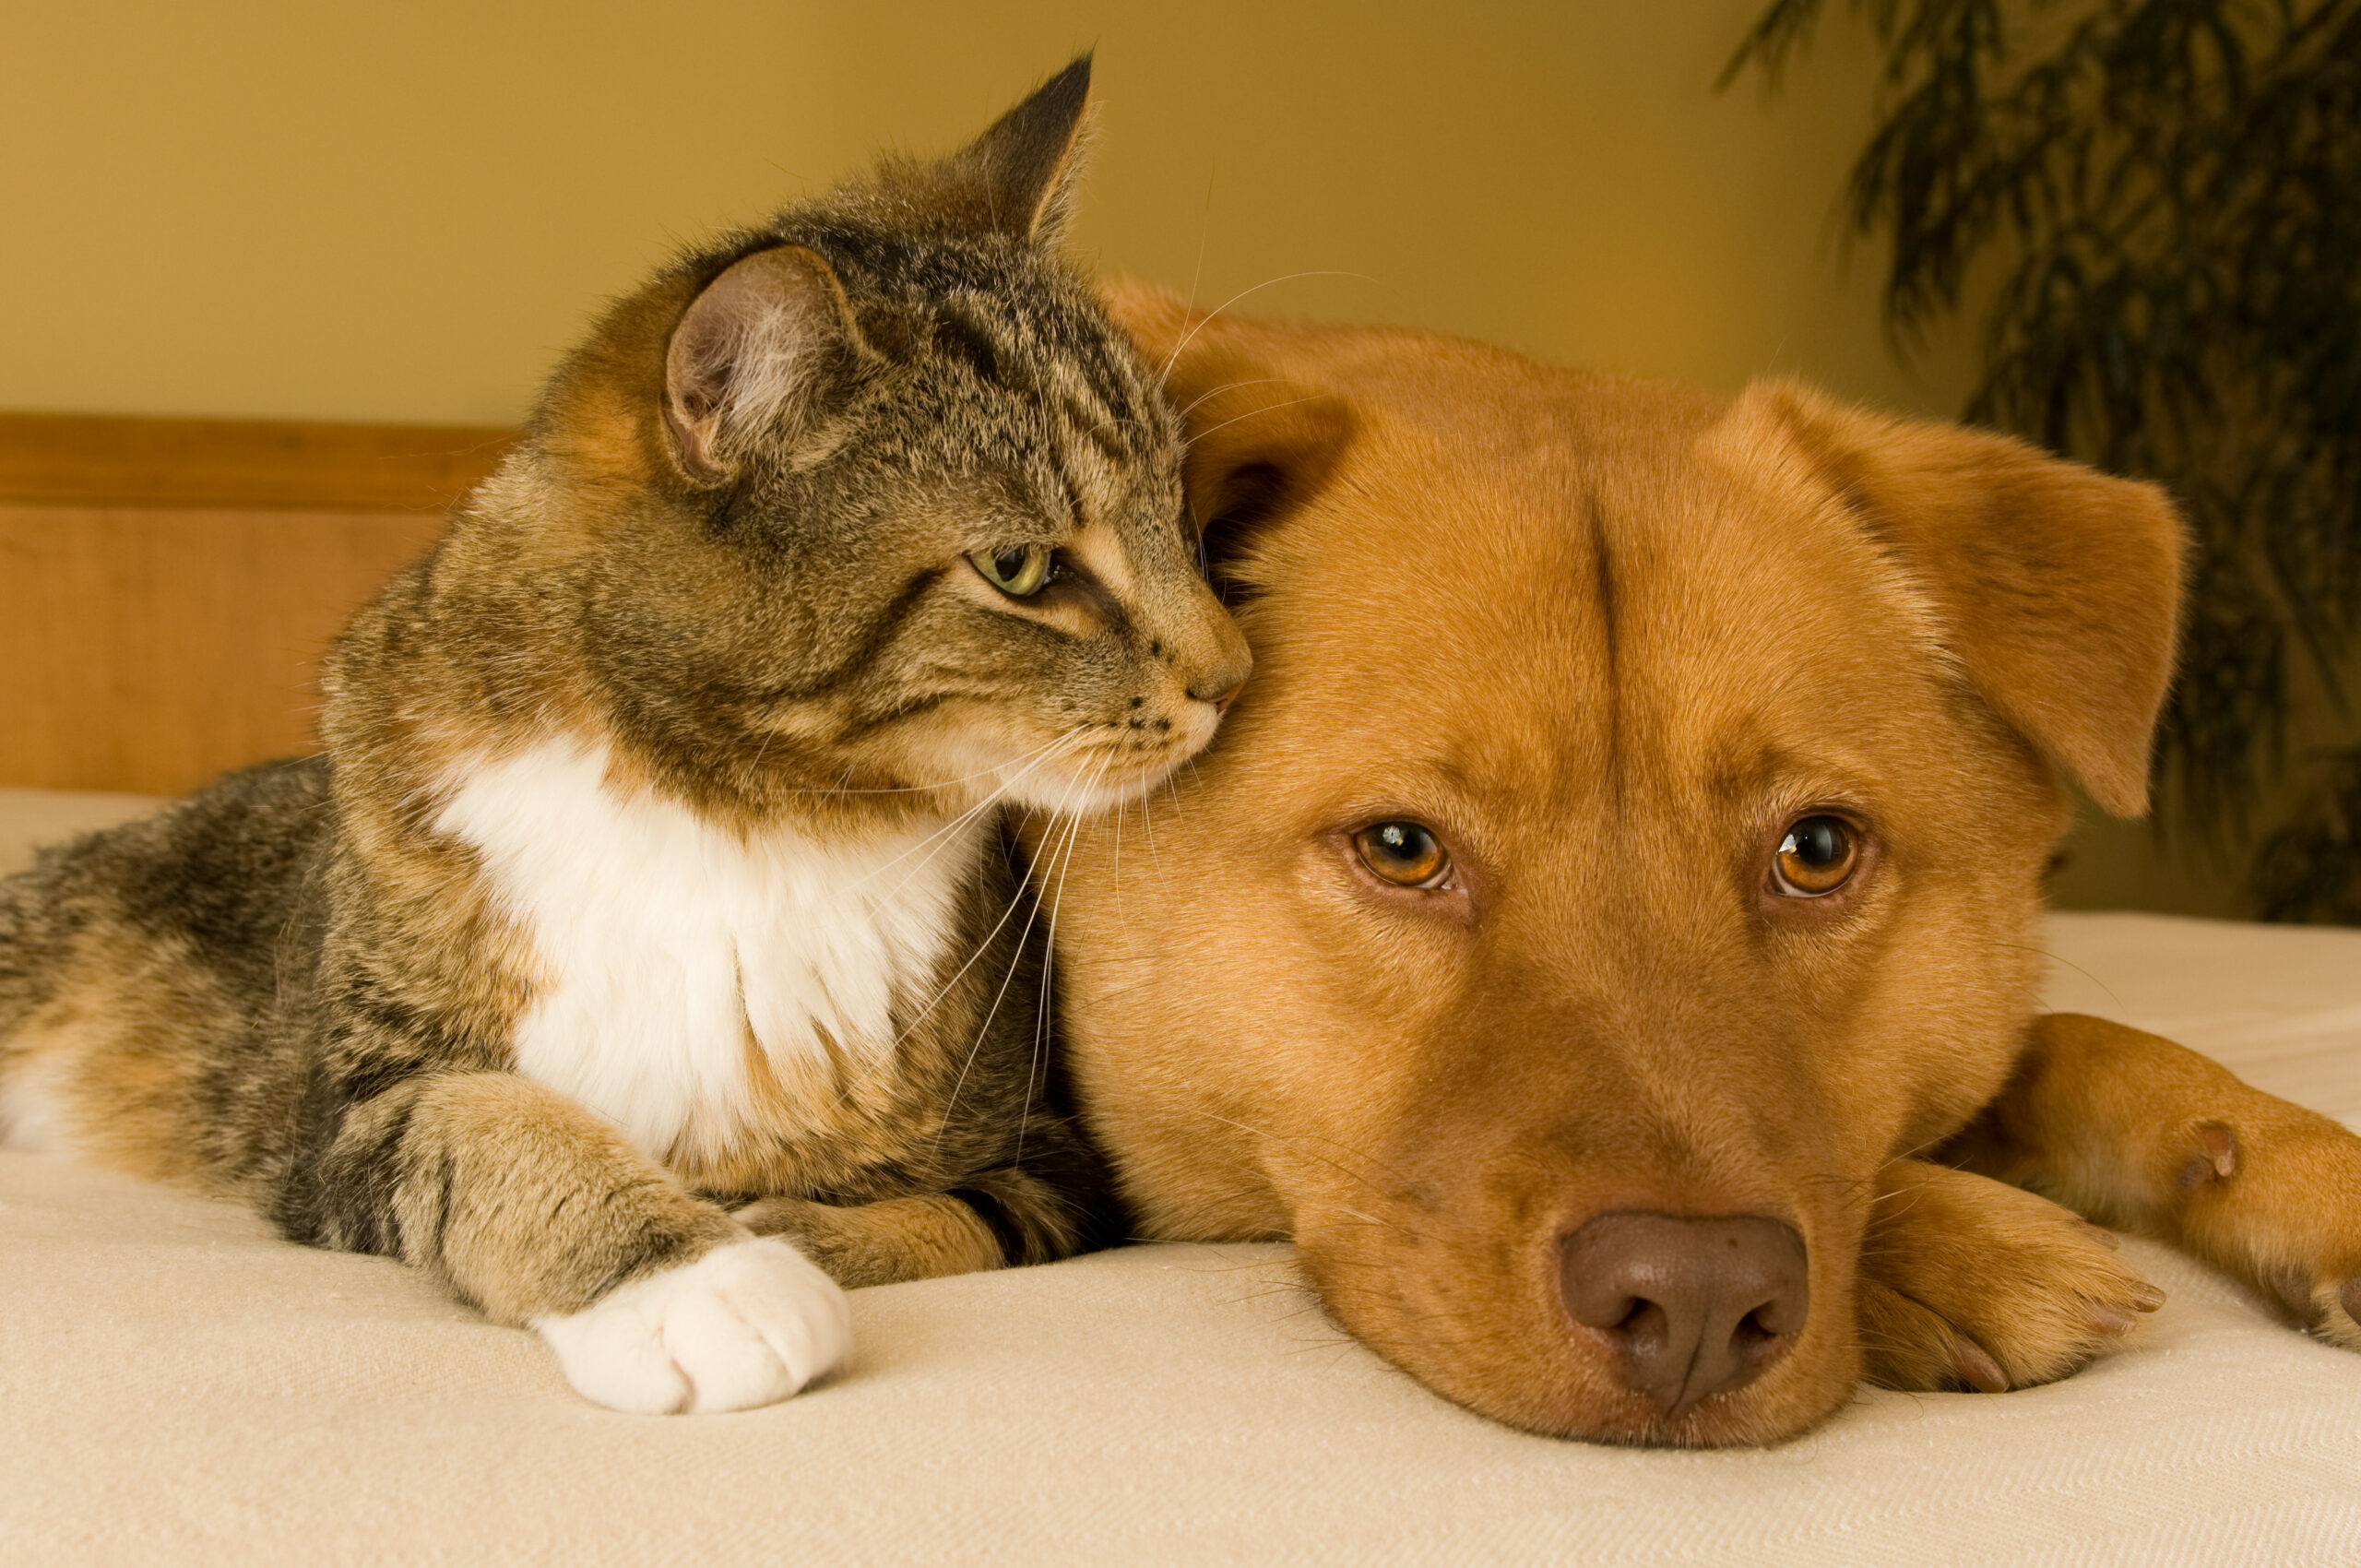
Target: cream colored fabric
178 1387
31 818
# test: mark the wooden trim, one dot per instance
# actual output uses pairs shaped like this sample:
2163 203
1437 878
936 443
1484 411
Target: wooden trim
102 459
151 648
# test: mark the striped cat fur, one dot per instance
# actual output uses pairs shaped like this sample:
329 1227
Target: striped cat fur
646 956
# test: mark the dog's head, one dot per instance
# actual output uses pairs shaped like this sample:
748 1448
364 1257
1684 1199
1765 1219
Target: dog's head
1632 839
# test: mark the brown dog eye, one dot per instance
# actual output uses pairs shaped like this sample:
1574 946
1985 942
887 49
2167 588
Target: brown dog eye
1402 853
1816 856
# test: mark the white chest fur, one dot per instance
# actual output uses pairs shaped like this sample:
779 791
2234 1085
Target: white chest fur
677 956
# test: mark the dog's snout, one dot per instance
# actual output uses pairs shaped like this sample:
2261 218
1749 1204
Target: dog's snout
1688 1306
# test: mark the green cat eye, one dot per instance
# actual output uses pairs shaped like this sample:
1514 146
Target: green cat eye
1019 571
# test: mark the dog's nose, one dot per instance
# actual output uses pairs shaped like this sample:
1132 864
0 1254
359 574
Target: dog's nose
1688 1306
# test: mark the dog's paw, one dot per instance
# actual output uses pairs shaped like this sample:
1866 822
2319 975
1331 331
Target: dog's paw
2331 1309
746 1324
1969 1283
2278 1202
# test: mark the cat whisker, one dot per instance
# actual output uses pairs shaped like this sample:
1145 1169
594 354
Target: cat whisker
1048 963
1147 825
761 752
1264 408
947 783
1208 395
1122 810
1016 962
903 1036
1205 228
943 835
1165 375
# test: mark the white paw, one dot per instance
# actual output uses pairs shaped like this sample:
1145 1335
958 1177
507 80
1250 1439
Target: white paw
746 1324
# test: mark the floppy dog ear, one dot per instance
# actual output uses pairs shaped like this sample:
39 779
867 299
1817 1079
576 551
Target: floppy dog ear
1262 440
2058 587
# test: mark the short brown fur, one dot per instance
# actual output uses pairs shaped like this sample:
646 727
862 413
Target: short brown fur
1604 638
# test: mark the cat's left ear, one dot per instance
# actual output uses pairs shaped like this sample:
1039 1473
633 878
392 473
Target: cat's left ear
756 355
1030 162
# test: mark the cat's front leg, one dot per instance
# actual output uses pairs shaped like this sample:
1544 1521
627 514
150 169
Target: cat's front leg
537 1211
2137 1131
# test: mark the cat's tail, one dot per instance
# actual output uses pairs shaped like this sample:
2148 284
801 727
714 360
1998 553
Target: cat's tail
42 919
137 970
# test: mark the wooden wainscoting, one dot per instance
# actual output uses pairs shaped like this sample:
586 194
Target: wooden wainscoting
166 586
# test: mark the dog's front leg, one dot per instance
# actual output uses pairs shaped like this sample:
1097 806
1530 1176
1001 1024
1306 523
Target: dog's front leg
1971 1283
2139 1132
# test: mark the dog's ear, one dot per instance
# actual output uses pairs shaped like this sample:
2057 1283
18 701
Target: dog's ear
2058 588
1263 438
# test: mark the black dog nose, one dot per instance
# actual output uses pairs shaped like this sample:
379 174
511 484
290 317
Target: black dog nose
1690 1307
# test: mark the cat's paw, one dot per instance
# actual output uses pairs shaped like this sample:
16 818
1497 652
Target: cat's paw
1970 1283
746 1324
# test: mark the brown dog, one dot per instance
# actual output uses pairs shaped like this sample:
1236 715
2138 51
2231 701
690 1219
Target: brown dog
1604 937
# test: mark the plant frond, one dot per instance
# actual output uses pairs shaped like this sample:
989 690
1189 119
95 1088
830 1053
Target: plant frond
2162 195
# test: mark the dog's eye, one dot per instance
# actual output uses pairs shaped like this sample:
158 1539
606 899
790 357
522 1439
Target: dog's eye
1019 571
1816 856
1403 853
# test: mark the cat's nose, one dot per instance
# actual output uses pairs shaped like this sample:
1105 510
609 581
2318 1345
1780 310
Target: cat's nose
1221 700
1223 674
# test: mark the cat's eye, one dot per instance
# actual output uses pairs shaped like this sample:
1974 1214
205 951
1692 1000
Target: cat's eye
1816 855
1019 570
1404 854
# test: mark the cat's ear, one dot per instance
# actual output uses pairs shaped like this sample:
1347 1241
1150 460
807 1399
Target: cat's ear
756 354
1028 165
1264 435
2056 587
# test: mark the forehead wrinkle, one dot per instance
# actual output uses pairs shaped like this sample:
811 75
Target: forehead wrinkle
1773 630
1473 631
1603 595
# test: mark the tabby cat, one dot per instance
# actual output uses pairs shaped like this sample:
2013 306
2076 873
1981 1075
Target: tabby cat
646 949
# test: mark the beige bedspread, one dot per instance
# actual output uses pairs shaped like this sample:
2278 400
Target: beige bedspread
177 1386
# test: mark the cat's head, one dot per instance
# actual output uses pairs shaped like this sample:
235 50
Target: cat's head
876 497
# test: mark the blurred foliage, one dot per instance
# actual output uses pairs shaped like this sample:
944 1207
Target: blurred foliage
2161 204
2305 871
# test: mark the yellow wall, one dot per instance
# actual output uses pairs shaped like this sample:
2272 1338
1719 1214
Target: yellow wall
404 212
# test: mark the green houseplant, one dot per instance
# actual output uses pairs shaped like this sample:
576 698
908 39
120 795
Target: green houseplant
2156 206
